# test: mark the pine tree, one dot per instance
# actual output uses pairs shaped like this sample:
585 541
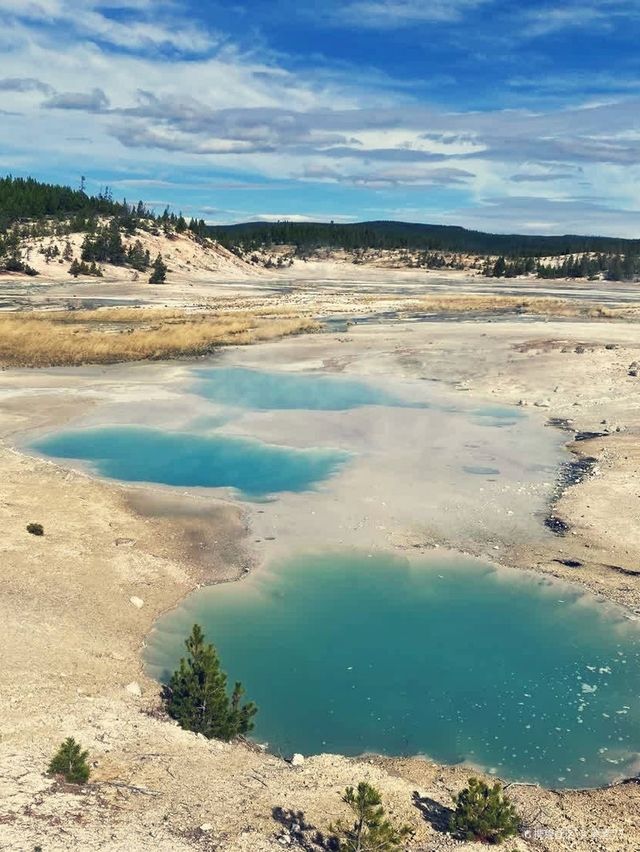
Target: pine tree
614 269
138 257
70 762
159 271
499 268
372 831
75 268
197 694
483 813
115 247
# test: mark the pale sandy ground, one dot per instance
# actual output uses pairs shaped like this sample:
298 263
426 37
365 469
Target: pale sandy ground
199 275
71 637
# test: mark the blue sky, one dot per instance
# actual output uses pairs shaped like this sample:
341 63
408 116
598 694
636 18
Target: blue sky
502 116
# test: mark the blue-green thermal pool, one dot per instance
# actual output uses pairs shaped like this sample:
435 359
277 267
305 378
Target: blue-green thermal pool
203 456
189 459
203 453
278 391
348 653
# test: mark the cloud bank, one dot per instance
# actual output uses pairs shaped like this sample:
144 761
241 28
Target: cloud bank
144 90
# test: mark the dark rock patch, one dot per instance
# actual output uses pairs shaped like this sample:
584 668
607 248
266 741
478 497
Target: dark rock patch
587 436
563 423
574 472
569 563
628 572
556 525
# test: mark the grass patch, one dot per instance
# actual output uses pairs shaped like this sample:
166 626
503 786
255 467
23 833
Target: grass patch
535 305
112 335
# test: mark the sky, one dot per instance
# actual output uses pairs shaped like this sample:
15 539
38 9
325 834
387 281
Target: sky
499 115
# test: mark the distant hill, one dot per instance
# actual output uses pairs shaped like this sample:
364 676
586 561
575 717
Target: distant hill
43 218
57 231
413 236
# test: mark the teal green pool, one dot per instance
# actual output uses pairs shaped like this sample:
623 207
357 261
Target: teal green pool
347 653
272 391
213 460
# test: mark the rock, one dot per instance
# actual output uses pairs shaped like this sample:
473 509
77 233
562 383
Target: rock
206 827
297 760
634 368
137 602
543 403
124 542
133 688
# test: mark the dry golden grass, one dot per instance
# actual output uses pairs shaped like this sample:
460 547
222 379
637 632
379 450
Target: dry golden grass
145 315
135 315
538 305
106 336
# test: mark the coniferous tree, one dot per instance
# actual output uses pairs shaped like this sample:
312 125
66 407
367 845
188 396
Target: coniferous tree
70 762
499 268
483 813
371 831
115 248
197 694
138 257
159 271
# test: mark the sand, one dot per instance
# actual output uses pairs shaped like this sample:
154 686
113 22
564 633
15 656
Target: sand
72 637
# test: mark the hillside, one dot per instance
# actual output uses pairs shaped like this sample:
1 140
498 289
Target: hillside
401 245
53 232
409 235
183 253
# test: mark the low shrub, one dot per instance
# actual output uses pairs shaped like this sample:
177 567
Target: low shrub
35 529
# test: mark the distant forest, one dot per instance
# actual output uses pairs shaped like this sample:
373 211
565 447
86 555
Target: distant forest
31 201
404 235
26 198
30 209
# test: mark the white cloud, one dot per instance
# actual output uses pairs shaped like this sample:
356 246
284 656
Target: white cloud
585 14
402 13
73 100
24 84
287 217
94 101
145 29
522 214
